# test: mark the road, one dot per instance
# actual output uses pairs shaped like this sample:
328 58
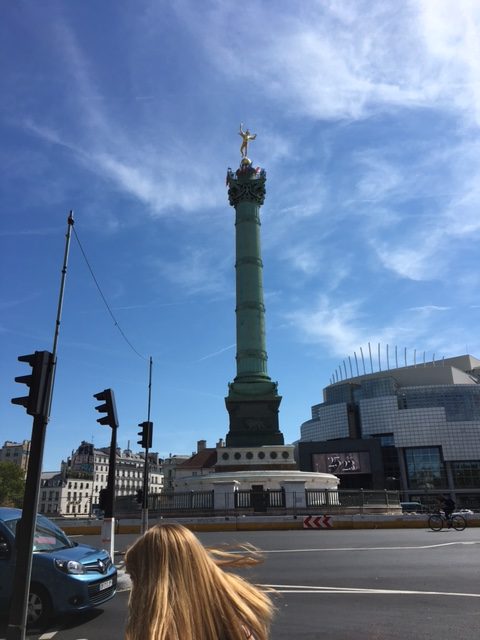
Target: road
348 585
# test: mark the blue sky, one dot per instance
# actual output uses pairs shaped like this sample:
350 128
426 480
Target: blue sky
367 117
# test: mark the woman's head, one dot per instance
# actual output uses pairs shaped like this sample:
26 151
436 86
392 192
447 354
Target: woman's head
180 591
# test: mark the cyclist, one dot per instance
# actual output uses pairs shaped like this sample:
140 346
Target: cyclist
448 506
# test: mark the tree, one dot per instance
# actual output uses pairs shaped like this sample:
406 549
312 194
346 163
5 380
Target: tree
12 485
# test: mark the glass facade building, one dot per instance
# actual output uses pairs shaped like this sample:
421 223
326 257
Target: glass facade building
426 418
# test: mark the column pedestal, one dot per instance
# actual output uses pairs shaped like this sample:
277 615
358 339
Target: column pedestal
253 421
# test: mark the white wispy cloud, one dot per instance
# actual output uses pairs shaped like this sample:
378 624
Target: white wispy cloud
420 206
133 158
334 327
40 231
419 262
197 270
429 308
334 63
380 178
341 328
216 353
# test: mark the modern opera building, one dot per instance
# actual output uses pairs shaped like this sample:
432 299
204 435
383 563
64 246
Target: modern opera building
413 428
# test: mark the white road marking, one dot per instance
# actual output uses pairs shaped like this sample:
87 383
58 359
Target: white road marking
124 582
49 635
343 549
281 588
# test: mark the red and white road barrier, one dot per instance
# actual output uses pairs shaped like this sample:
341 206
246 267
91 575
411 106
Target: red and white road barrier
317 522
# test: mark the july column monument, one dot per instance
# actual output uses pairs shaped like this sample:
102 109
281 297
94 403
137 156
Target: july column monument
253 401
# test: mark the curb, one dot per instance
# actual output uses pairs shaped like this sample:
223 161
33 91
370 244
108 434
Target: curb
272 523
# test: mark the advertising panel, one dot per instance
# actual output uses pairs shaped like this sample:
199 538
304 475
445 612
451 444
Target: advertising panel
342 463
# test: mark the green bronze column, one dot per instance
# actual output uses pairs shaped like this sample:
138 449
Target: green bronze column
252 401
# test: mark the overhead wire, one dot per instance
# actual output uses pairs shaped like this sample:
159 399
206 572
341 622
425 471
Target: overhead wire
122 333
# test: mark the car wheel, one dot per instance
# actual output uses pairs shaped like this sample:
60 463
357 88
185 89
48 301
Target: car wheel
39 607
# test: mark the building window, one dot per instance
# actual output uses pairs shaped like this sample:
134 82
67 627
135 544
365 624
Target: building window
425 468
261 455
273 454
466 474
249 455
386 439
237 455
225 456
285 454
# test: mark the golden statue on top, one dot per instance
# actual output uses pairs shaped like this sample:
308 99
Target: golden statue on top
246 137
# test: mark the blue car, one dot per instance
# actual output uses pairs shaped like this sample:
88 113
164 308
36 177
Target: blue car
66 576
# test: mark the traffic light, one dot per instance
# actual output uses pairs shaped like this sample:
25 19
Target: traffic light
140 496
109 407
38 381
145 434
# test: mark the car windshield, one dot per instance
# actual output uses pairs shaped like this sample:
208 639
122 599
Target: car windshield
47 536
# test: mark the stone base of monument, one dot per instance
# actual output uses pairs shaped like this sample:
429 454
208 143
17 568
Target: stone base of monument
263 458
253 420
262 489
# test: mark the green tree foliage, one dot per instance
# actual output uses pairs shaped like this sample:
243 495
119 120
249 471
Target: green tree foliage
12 485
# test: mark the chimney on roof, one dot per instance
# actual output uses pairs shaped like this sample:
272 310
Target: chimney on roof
201 445
220 443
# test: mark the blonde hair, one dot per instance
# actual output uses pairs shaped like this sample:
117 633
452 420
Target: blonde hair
181 592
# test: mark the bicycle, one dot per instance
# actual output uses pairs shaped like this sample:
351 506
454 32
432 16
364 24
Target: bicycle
437 521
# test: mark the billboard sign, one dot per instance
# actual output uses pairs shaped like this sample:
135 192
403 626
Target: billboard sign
342 463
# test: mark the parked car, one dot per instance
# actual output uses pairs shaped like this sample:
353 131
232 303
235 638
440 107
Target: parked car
66 576
466 513
412 507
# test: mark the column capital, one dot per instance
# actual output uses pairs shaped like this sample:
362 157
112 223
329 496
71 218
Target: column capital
247 184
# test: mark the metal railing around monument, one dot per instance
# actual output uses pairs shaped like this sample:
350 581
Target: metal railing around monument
188 501
246 502
351 500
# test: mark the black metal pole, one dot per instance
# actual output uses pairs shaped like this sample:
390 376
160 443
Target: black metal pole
146 462
17 622
25 533
109 507
61 296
